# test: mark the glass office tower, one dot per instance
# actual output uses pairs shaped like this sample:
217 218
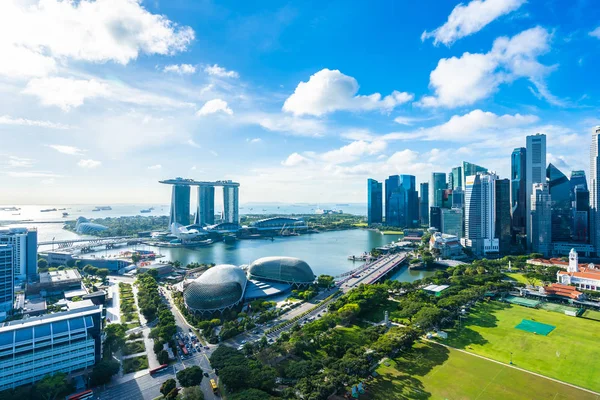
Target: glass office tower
375 202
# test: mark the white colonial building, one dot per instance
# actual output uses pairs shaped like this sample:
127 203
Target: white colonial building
586 278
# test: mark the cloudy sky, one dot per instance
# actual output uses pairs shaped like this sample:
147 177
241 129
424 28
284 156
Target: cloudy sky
299 101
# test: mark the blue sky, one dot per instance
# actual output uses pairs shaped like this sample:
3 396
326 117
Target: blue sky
298 101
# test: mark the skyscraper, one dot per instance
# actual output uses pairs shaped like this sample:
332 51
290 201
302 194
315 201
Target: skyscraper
6 279
231 204
411 201
535 163
480 214
450 184
581 214
518 193
457 177
452 221
180 205
24 250
375 202
391 184
541 219
578 178
503 222
595 189
562 209
435 217
436 188
458 198
469 169
205 215
424 203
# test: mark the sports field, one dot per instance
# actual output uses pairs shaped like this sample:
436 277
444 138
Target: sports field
431 371
568 353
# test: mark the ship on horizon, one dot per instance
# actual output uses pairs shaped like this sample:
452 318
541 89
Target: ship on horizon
102 208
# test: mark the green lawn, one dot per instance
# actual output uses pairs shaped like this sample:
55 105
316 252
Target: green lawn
519 277
351 334
393 232
376 315
567 353
591 314
135 364
431 371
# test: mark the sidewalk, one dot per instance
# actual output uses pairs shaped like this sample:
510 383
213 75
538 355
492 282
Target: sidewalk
149 343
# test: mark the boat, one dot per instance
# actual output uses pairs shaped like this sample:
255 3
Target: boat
61 209
229 239
146 210
65 214
102 208
9 208
16 214
48 210
342 205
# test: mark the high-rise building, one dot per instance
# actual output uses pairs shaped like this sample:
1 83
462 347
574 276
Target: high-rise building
24 245
595 189
447 198
581 214
435 217
469 169
503 222
450 184
518 195
6 279
32 348
541 219
397 208
231 204
205 214
411 202
452 222
391 184
562 208
424 203
457 178
375 202
578 178
535 163
436 190
480 214
458 198
180 205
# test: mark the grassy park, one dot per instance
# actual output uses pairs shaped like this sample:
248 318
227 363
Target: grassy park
565 354
135 364
431 371
519 277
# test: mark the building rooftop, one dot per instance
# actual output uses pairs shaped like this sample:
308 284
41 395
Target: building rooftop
558 289
34 305
587 272
78 305
43 319
59 276
436 288
192 182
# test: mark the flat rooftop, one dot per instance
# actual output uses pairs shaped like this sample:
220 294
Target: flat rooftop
60 276
436 288
192 182
43 319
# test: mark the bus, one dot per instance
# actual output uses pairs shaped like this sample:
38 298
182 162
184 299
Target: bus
184 350
213 385
88 394
158 369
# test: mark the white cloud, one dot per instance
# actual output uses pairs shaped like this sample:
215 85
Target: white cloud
465 20
48 181
19 162
214 106
154 167
89 163
286 124
71 150
472 77
214 153
35 34
354 151
595 33
254 140
181 69
192 143
65 93
8 120
329 90
358 134
295 159
408 120
221 72
468 127
32 174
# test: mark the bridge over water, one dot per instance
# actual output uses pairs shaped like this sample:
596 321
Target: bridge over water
83 243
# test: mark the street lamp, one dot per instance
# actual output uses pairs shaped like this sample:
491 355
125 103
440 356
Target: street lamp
511 358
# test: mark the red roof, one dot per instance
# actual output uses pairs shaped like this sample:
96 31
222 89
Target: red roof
558 289
585 272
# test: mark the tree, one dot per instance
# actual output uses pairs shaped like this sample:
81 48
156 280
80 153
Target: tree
191 376
79 264
192 393
250 394
135 258
325 280
42 263
163 357
167 331
52 387
103 372
428 317
168 386
234 376
348 312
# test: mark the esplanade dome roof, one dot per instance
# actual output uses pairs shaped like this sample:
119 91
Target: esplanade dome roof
281 269
220 287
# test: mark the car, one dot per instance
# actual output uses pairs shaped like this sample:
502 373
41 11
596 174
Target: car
206 347
206 374
243 342
190 329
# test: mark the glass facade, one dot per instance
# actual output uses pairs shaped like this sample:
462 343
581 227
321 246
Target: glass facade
469 169
397 208
562 214
6 277
517 190
231 204
452 222
219 288
402 201
281 269
503 221
375 202
411 201
424 203
180 205
435 218
457 178
391 185
205 215
535 163
541 219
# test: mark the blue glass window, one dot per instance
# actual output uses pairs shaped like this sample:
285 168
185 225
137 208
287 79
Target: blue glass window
23 334
89 321
6 338
60 327
42 331
76 323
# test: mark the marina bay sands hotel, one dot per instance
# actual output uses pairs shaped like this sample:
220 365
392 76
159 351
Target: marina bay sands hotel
205 215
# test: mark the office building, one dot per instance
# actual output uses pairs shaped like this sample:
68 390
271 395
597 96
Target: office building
205 214
541 219
452 222
581 214
448 246
458 198
457 178
480 214
562 208
447 198
402 202
24 245
397 208
231 204
450 184
66 342
435 218
180 205
518 193
391 185
535 165
375 202
594 189
424 203
469 169
437 185
6 280
503 221
411 200
578 179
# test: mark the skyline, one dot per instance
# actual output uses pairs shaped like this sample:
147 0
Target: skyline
294 99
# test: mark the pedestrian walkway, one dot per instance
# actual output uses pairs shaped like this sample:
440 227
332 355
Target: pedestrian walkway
149 343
